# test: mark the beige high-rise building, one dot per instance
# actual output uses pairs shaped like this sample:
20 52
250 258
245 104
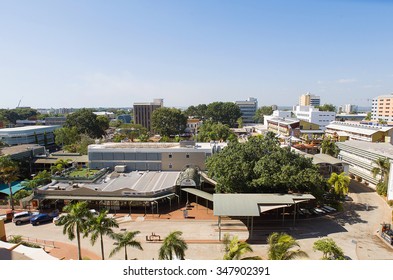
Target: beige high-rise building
309 100
143 112
382 108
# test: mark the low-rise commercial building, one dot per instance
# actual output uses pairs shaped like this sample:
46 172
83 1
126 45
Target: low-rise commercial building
342 131
313 115
38 134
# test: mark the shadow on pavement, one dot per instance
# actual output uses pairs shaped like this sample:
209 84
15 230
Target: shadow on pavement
356 187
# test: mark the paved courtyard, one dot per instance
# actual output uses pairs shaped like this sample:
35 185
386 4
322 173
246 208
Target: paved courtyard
354 230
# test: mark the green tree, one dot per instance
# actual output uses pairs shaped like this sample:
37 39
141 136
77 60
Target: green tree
329 147
327 108
103 122
168 121
281 247
9 172
340 183
101 225
75 222
261 166
86 122
235 249
210 131
173 246
263 111
22 194
59 165
329 249
382 169
196 111
382 121
223 112
368 117
66 136
124 240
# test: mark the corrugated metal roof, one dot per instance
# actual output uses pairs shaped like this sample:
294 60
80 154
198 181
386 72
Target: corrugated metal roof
243 205
324 158
199 193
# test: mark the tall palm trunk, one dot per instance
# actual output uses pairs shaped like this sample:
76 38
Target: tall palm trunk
79 242
102 247
11 197
125 255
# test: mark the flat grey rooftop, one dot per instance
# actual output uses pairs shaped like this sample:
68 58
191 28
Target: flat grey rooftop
382 149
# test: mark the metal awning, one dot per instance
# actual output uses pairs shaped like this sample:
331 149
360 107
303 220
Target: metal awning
207 179
104 198
199 193
265 208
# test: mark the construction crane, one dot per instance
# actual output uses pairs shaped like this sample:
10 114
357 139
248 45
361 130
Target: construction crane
20 100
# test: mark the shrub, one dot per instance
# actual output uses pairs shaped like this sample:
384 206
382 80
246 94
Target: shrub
382 188
390 202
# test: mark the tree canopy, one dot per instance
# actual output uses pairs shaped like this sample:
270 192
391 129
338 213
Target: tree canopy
223 112
198 111
263 111
210 131
12 115
261 166
86 122
168 121
327 107
329 249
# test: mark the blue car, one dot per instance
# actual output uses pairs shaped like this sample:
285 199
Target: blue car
41 219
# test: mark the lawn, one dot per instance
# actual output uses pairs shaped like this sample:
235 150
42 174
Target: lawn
83 173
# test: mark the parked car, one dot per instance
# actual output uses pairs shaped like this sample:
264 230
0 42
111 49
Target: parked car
23 217
42 218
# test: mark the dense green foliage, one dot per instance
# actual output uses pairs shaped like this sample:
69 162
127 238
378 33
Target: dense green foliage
196 111
12 115
210 131
223 112
329 249
327 108
9 172
168 121
124 240
329 147
281 247
261 166
235 249
262 111
66 136
340 183
86 122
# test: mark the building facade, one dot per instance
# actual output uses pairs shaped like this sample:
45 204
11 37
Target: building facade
313 115
143 112
361 155
248 109
37 134
309 99
151 156
382 108
342 131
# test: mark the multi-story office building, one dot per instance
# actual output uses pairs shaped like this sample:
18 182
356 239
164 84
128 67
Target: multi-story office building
342 131
55 120
37 134
313 115
349 108
309 99
382 108
248 109
143 112
151 156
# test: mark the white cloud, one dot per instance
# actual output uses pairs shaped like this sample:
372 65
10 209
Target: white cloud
346 81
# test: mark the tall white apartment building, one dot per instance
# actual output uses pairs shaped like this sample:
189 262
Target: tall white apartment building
309 99
313 115
382 108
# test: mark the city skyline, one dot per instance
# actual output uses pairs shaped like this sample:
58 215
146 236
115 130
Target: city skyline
101 54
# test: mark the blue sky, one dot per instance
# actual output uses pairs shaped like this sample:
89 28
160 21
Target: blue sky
115 53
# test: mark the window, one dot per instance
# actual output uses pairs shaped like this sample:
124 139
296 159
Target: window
170 155
187 155
170 165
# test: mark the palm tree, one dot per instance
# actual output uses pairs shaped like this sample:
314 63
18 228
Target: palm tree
329 147
340 183
76 222
9 171
173 245
234 249
101 225
124 240
280 245
59 165
382 169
